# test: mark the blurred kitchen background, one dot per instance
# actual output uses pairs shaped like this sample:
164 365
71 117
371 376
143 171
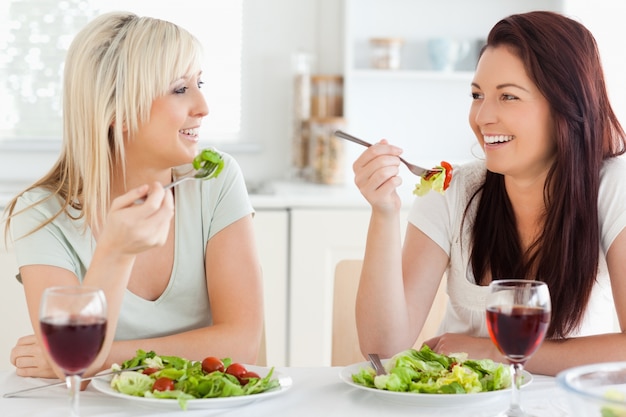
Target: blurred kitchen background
259 53
280 76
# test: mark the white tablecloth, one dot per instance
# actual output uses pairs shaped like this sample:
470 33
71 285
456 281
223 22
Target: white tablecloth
315 392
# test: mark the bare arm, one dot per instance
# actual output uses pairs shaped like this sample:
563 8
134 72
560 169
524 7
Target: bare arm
395 291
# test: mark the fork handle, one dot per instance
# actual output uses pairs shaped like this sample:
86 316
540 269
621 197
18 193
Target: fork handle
174 183
344 135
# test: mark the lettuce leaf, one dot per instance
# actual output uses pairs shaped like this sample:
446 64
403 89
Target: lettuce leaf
424 371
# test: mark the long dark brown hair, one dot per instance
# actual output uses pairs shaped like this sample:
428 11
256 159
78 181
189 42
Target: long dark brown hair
561 57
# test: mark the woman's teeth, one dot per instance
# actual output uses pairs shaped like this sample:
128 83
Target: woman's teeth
189 132
497 139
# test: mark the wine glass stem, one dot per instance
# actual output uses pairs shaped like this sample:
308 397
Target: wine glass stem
516 371
73 385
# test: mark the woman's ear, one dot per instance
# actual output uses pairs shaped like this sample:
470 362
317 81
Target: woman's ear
124 127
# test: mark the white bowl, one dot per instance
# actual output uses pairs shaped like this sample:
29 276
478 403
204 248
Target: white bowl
595 390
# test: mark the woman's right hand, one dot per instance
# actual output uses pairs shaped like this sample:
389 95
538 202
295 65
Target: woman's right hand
376 175
132 227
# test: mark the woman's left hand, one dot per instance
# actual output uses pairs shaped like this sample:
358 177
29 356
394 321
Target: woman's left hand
475 347
29 359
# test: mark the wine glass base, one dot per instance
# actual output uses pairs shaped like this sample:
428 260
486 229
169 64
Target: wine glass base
515 412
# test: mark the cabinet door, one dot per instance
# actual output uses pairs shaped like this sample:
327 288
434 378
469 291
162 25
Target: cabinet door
320 238
271 228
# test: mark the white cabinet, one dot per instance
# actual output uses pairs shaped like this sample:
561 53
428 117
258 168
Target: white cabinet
272 234
320 238
420 110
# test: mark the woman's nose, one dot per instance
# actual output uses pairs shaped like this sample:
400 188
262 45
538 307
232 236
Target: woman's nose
200 108
485 112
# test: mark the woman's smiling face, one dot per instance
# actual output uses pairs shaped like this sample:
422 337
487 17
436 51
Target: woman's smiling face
170 136
510 116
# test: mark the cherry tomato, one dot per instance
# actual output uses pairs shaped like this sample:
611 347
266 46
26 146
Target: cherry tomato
448 178
163 384
212 364
236 370
245 377
150 371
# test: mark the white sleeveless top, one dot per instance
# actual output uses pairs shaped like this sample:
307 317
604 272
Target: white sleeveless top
440 216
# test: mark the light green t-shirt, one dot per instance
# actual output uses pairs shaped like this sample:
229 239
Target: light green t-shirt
203 208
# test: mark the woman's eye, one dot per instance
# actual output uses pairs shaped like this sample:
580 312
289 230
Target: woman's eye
476 96
200 84
508 97
180 90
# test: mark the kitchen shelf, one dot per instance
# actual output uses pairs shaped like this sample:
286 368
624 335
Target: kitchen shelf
419 75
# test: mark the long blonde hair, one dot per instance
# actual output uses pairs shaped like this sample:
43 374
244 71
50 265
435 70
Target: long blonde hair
115 67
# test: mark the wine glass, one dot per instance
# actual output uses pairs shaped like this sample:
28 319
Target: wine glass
73 323
518 315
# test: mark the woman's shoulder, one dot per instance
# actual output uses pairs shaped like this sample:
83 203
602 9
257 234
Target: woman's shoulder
612 175
468 175
614 166
38 196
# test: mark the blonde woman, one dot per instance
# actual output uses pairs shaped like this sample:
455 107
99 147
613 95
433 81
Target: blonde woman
180 271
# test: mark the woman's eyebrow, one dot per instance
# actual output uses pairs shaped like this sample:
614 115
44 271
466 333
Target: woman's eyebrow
505 85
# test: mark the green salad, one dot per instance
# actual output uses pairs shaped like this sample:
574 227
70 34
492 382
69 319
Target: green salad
424 371
438 179
173 377
209 163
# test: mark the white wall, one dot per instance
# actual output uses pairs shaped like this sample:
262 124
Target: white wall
274 30
606 19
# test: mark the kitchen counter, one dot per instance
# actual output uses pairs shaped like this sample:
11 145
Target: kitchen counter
276 195
301 194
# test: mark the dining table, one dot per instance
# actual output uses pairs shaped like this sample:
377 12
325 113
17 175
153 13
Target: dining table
312 392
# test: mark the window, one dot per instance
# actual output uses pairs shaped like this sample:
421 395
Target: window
35 35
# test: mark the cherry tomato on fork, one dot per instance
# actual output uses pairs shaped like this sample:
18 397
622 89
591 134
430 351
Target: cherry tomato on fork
446 182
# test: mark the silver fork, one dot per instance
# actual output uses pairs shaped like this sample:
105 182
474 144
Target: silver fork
190 176
377 364
417 170
62 383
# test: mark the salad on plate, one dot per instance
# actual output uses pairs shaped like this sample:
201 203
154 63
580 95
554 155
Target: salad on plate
173 377
424 371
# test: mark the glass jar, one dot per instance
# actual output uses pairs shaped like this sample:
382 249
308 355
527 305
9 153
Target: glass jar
386 53
302 65
326 96
326 153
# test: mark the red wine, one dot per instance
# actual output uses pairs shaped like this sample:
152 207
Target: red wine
74 343
517 331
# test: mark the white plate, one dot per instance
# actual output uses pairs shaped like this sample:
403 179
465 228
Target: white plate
426 400
104 385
